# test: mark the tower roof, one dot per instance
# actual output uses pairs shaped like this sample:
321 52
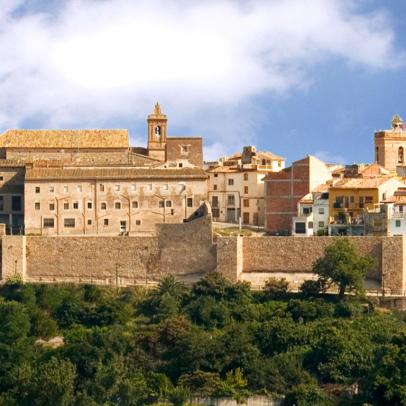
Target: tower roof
157 113
396 120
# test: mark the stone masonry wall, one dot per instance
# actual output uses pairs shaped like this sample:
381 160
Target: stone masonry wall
292 258
184 250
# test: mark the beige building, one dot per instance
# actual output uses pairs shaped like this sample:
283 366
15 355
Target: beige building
110 201
93 182
390 145
236 186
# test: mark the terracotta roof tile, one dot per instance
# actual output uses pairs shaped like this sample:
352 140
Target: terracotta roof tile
64 139
360 183
114 173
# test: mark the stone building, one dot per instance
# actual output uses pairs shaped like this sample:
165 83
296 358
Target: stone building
284 190
110 201
93 182
236 186
390 145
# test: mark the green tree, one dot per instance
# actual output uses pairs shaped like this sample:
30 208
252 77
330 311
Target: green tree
343 266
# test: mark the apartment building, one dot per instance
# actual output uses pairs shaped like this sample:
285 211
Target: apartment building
236 185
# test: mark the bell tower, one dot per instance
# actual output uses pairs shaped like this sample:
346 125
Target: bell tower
157 124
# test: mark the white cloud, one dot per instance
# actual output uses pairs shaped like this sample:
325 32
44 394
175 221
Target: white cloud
329 158
94 63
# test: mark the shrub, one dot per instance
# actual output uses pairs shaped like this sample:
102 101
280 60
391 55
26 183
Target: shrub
276 288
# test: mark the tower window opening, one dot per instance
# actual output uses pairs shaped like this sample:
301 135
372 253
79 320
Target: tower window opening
400 155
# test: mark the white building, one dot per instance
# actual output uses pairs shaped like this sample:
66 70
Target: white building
312 214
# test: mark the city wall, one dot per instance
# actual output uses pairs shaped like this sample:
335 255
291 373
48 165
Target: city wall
256 259
187 251
184 250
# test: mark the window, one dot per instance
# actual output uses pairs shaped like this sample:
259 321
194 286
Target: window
377 154
161 204
89 205
215 201
165 187
168 203
117 205
79 188
321 210
106 222
135 205
16 203
400 155
65 189
103 206
51 206
189 202
150 186
383 196
300 228
180 165
230 182
307 210
1 203
215 212
246 190
101 187
75 205
231 200
137 222
66 206
398 223
133 187
37 206
368 199
117 188
310 225
37 189
321 224
216 175
49 223
214 187
89 222
246 203
184 149
51 189
361 202
245 176
69 223
400 209
352 199
1 178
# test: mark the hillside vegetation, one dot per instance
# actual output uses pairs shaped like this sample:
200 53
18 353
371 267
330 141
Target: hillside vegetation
137 347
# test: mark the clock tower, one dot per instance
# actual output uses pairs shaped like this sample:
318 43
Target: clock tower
157 125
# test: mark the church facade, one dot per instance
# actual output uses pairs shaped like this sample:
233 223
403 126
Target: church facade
63 182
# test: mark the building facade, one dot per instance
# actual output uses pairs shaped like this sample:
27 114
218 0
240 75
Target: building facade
390 145
236 186
285 189
57 182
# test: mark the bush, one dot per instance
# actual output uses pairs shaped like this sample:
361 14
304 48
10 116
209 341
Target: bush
307 395
276 288
311 288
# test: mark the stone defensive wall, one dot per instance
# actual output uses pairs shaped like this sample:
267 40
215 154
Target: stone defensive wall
184 250
187 251
255 259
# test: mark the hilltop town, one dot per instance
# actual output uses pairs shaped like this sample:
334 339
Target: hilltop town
135 214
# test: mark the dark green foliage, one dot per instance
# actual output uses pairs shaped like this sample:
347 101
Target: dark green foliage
276 288
139 347
342 266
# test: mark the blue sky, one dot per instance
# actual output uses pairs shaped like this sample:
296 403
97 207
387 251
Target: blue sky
294 77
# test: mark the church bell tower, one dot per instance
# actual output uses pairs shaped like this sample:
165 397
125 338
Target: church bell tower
157 125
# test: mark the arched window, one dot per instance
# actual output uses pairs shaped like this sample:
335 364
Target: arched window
377 154
157 131
400 155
